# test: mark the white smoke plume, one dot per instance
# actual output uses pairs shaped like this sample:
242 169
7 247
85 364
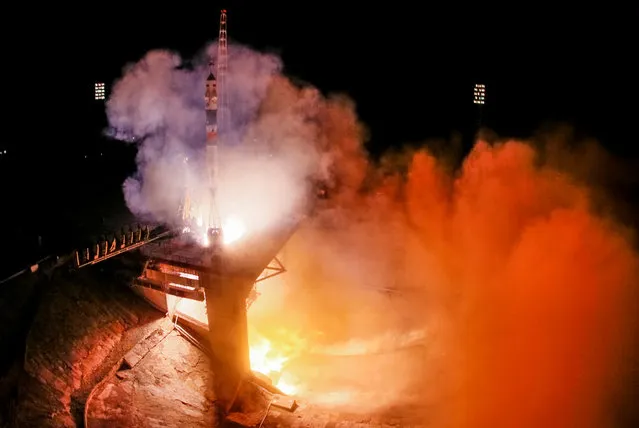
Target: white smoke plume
277 142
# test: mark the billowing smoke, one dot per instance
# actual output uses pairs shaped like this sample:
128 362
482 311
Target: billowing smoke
157 103
494 295
497 294
278 144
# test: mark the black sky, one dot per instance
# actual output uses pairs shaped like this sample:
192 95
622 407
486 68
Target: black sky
410 68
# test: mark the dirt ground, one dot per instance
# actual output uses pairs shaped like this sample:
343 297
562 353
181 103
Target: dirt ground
64 332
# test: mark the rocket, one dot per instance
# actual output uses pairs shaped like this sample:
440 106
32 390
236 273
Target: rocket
210 98
217 117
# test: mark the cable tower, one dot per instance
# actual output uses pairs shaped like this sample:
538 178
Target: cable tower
217 120
224 111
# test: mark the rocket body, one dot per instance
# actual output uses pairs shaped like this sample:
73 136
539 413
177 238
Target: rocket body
210 99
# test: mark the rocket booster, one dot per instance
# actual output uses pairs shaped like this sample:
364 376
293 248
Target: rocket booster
210 98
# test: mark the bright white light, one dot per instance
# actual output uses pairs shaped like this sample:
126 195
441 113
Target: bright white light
188 275
184 287
232 230
480 94
99 91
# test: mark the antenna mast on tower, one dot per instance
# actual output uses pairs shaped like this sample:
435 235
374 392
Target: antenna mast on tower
223 110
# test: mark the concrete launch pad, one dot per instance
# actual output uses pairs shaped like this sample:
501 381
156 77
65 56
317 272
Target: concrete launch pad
166 386
222 276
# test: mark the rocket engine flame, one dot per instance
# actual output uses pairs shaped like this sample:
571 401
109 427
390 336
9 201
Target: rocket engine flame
232 229
269 361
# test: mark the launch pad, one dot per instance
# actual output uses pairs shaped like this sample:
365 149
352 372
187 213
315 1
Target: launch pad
220 275
223 277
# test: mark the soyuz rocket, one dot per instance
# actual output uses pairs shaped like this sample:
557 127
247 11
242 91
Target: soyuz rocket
210 99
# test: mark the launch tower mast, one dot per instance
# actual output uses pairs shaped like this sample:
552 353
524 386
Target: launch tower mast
224 112
218 119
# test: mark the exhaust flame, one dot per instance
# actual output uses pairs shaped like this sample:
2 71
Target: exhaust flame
262 358
233 229
269 361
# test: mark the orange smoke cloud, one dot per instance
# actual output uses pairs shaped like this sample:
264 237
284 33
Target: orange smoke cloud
524 294
547 288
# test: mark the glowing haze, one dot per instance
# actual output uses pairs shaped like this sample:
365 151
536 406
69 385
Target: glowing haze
493 295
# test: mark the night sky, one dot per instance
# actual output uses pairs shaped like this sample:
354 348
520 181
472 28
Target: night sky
410 68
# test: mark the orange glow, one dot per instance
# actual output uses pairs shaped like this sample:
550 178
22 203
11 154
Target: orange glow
268 357
192 310
514 302
270 360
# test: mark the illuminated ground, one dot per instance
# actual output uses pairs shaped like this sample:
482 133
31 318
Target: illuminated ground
168 388
84 323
